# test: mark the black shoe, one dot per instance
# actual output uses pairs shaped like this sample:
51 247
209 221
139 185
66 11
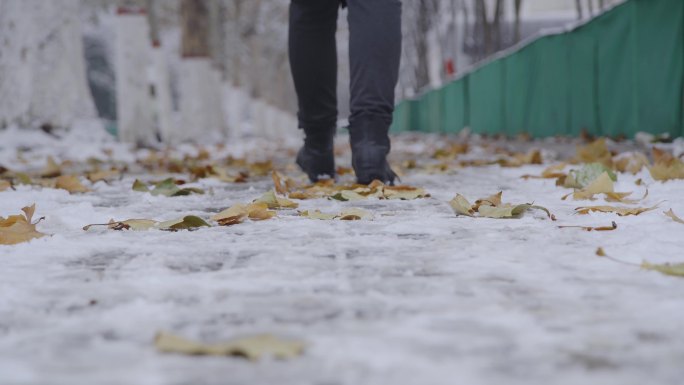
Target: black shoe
370 145
317 157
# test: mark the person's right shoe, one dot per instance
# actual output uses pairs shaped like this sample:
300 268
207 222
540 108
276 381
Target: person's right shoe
370 145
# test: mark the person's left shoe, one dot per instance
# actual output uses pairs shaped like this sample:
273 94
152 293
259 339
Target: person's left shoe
317 157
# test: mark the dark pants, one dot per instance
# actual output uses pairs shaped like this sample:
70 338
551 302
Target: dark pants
374 50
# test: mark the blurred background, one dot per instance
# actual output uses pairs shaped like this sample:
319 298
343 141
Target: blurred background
178 70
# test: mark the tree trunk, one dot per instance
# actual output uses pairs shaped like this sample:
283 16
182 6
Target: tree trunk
195 25
578 4
496 27
201 101
517 32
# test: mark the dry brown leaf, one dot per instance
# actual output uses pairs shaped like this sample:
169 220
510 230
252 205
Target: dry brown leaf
253 348
403 192
261 168
632 163
494 200
106 175
621 211
71 183
130 224
663 172
355 214
318 215
461 206
260 212
612 227
5 185
275 202
19 228
600 252
232 216
277 181
595 152
675 270
52 169
673 216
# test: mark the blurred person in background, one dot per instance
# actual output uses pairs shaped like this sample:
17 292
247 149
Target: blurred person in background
374 50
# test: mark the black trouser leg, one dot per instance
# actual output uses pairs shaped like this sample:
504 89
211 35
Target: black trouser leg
374 54
375 51
313 60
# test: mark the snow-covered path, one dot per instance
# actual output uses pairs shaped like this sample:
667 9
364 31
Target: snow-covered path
415 296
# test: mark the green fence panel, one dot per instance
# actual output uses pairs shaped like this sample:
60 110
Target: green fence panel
583 87
548 105
517 91
402 117
615 72
659 78
430 112
621 73
454 106
486 111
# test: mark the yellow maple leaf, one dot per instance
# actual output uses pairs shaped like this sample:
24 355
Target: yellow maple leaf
19 228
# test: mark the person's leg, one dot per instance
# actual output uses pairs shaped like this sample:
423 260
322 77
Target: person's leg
313 60
375 51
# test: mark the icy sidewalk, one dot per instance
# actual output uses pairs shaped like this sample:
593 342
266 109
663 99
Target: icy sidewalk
416 296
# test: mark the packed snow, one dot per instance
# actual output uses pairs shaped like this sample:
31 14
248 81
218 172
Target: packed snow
418 295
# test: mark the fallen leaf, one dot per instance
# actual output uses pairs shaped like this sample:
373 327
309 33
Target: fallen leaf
667 171
621 211
612 227
355 214
632 163
676 270
240 212
275 202
52 169
587 174
602 184
280 187
259 212
508 211
169 188
189 222
253 348
595 152
318 215
486 208
600 252
461 206
261 168
674 217
103 175
5 185
19 228
71 183
140 186
403 192
130 224
494 200
348 195
551 172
